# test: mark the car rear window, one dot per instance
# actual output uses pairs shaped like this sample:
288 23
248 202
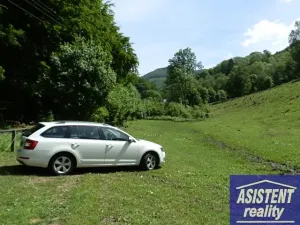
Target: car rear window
56 132
32 130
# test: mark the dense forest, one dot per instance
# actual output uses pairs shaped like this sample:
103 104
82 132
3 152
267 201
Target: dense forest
185 82
65 59
232 78
68 60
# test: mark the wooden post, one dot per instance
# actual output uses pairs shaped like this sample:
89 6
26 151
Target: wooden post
13 136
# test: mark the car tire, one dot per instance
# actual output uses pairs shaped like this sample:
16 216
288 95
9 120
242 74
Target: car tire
62 164
149 161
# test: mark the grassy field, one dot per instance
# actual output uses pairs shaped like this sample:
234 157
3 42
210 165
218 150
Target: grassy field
265 124
252 135
192 188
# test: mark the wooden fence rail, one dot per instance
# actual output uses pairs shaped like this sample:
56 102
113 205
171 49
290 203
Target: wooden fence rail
13 136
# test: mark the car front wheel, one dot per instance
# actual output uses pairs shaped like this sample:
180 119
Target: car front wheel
149 161
62 164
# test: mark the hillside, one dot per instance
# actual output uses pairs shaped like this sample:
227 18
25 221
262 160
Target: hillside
264 125
157 76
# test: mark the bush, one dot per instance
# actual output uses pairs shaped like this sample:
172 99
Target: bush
153 108
123 102
176 110
221 95
200 112
100 115
47 118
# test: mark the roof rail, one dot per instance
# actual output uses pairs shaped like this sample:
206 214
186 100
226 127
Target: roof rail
65 121
58 122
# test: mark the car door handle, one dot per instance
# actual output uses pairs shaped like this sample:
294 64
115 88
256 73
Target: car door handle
74 145
110 146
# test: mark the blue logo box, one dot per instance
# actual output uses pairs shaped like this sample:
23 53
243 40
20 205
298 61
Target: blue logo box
265 199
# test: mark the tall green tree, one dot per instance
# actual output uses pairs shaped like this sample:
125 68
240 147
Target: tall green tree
27 42
239 83
181 68
230 66
80 79
294 39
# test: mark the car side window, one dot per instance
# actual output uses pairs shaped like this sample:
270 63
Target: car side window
55 132
72 132
88 132
114 135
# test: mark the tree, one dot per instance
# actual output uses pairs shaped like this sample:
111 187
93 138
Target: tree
224 66
80 79
2 71
185 60
253 80
212 95
220 81
239 83
122 102
155 95
264 82
230 66
193 94
201 75
255 57
294 36
294 39
146 88
30 41
182 67
266 56
221 95
204 94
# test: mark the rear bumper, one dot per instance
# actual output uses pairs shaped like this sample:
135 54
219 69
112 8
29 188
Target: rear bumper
30 158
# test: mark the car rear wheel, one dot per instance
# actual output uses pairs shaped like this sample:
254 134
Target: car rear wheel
149 161
62 164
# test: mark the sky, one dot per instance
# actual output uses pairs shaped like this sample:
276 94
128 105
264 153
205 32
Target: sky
215 30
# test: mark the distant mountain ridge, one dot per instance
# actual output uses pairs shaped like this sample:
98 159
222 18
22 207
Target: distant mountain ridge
157 76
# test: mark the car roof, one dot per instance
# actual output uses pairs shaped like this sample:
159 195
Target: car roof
66 122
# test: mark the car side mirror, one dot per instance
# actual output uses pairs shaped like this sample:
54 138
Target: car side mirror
130 139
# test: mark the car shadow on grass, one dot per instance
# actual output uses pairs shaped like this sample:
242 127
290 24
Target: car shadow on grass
20 170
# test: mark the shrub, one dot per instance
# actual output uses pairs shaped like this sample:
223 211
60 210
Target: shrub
47 117
100 115
153 108
123 102
176 110
200 112
221 95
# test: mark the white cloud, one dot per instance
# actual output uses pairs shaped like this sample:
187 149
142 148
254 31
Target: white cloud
272 35
136 10
286 1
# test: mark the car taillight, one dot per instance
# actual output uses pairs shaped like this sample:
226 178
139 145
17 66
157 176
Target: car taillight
30 144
